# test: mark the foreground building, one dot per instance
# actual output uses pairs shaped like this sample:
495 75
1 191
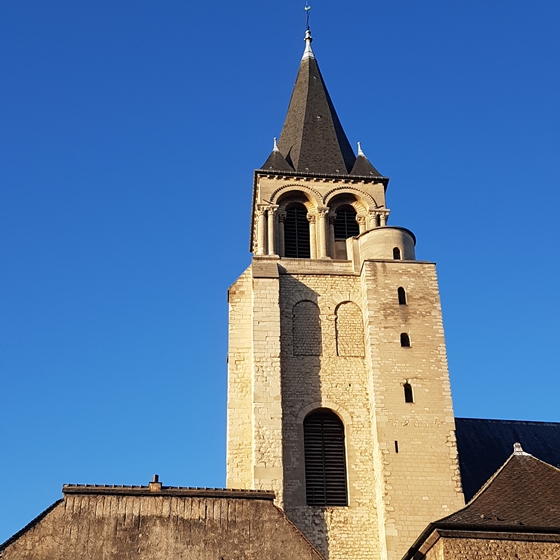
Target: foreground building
342 442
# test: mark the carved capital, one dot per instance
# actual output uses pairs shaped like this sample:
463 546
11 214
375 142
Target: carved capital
272 209
260 210
282 216
361 220
311 218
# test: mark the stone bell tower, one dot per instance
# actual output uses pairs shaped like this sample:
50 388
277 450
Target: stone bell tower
338 394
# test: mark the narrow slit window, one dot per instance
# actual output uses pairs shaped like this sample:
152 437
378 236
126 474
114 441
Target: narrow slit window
396 253
396 446
408 396
325 459
402 296
405 340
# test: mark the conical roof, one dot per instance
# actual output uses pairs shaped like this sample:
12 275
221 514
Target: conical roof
363 167
312 139
276 161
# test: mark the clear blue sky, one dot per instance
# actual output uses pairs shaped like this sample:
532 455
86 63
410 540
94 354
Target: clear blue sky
118 119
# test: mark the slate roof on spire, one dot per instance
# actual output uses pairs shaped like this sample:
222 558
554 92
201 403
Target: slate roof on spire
312 139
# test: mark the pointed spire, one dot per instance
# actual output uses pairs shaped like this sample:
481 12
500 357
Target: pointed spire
308 52
312 139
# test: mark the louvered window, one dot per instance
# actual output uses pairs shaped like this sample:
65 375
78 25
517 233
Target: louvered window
296 232
345 225
325 459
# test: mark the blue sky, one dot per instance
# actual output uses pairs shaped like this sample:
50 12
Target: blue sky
129 134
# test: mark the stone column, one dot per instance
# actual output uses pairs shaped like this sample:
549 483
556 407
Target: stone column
311 218
271 230
322 237
332 246
372 219
281 219
362 223
261 230
384 216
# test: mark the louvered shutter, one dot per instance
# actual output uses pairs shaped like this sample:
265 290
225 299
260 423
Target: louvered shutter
325 460
296 233
345 225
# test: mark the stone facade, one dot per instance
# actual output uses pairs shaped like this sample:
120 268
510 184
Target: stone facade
317 333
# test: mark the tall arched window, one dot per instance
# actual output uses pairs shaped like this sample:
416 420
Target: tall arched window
345 225
396 253
349 325
325 459
306 329
402 296
296 232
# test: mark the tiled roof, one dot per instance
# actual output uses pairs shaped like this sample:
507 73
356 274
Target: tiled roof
525 492
363 167
276 162
484 445
312 138
522 497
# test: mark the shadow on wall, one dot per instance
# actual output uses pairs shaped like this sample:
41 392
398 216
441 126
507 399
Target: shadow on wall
301 351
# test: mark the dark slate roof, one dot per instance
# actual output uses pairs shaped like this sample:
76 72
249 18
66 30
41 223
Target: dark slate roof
364 168
147 522
484 445
525 492
312 138
276 162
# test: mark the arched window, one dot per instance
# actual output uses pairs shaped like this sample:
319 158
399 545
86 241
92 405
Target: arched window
325 459
345 225
296 232
408 396
402 296
306 329
396 253
349 325
405 340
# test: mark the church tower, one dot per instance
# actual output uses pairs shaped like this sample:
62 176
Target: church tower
338 388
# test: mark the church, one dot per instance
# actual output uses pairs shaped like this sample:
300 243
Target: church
342 442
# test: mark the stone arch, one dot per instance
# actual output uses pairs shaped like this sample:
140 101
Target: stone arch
325 403
368 202
313 196
306 329
349 325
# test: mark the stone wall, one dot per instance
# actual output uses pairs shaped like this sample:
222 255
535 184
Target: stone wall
506 548
92 526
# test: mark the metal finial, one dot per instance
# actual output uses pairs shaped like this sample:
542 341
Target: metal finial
275 148
518 450
360 153
308 52
307 11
